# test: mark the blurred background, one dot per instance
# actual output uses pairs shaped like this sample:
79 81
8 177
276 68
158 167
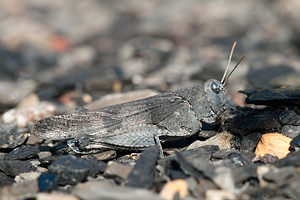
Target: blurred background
74 52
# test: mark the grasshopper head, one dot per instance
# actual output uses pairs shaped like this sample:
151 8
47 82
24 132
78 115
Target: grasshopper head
215 95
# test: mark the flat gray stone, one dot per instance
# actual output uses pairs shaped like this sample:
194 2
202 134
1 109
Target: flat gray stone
118 170
99 190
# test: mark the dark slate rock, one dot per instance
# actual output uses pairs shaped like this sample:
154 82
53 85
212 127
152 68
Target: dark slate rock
172 169
178 167
254 121
174 173
250 141
237 159
243 174
254 192
47 182
291 188
60 149
200 158
143 173
15 167
208 130
223 153
290 117
280 176
100 166
205 152
187 167
48 160
181 164
248 157
71 169
273 97
5 180
12 136
240 169
295 143
290 131
292 159
22 153
205 167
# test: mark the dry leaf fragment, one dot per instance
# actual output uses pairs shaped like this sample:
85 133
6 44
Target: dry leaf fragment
170 189
274 144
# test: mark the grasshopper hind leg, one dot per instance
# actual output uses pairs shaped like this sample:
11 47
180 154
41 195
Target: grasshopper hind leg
74 146
158 143
127 138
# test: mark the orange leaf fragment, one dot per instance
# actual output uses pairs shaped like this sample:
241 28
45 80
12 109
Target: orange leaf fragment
170 189
59 43
117 86
274 144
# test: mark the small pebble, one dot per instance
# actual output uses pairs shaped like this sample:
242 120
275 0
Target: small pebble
44 154
219 195
170 189
27 176
236 159
115 169
290 130
55 196
23 116
222 140
295 144
47 182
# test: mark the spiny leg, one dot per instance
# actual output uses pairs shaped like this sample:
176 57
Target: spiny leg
73 145
157 141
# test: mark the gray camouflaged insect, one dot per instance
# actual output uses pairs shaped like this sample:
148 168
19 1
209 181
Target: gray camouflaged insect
142 123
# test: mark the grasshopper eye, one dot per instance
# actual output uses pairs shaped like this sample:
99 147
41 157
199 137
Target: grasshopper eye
215 87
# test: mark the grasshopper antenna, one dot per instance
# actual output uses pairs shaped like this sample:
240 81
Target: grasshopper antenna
237 64
228 64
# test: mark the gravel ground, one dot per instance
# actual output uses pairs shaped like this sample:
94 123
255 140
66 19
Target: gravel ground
60 56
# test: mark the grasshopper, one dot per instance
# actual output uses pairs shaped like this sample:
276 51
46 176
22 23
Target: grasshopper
142 123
